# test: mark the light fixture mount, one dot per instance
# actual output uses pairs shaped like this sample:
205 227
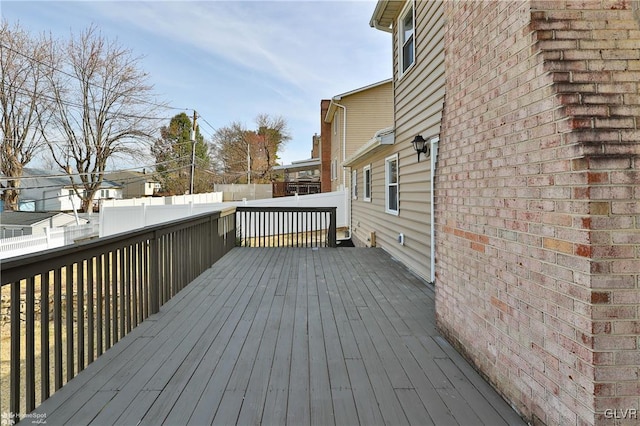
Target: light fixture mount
421 146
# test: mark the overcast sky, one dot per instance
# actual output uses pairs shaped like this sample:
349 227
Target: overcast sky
232 60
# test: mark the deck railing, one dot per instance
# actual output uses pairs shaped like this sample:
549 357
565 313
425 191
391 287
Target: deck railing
67 306
286 226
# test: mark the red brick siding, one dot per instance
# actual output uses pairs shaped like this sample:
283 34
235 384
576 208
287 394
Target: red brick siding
325 148
537 195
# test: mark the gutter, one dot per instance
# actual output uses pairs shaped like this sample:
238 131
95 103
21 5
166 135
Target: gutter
375 19
384 136
377 26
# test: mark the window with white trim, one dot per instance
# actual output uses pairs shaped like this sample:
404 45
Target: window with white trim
406 38
366 179
354 184
335 123
334 169
391 184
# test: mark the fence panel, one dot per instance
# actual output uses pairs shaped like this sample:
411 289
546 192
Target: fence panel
54 237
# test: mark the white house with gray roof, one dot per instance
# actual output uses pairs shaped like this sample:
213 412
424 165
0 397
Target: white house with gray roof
53 191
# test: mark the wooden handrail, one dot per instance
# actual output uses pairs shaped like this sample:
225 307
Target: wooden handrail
113 282
286 226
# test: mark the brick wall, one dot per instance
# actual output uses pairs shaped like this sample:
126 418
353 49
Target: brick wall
537 204
325 148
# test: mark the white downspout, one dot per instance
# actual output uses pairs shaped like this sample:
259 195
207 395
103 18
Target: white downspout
344 139
434 158
344 158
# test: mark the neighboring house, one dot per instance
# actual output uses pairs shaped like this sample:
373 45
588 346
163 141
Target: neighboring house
54 192
301 170
15 224
135 184
537 192
302 176
349 120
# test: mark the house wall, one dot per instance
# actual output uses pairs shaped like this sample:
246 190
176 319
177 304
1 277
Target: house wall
537 204
419 95
63 220
367 112
134 184
336 155
53 200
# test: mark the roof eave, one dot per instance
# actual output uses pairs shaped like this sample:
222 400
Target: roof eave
382 137
384 14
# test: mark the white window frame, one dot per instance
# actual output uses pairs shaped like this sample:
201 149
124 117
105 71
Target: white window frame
366 183
334 169
408 9
388 184
354 184
334 122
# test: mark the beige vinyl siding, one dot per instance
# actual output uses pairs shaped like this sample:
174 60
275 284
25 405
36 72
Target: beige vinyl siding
419 96
336 149
368 111
412 220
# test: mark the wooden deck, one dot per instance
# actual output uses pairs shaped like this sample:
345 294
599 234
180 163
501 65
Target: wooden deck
286 336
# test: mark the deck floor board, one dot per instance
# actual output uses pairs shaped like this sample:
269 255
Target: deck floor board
286 336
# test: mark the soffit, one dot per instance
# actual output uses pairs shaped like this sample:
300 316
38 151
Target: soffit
385 13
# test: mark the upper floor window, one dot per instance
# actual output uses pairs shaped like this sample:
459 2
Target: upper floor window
406 35
391 184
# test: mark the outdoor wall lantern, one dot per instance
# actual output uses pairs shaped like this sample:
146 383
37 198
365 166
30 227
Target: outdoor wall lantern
421 146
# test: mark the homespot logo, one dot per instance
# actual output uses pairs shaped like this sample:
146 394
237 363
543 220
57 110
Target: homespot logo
621 414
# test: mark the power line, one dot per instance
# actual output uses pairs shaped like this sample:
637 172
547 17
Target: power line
68 74
80 184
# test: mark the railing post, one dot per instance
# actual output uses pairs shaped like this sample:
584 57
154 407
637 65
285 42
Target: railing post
332 227
14 401
30 377
154 275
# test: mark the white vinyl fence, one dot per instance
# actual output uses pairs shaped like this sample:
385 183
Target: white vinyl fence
239 192
52 238
209 197
114 220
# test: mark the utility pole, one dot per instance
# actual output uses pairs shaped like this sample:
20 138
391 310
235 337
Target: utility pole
248 165
193 150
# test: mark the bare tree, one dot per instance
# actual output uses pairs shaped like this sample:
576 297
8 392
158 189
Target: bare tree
232 146
23 104
104 110
245 152
272 135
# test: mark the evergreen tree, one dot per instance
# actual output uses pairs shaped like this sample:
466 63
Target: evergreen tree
173 154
